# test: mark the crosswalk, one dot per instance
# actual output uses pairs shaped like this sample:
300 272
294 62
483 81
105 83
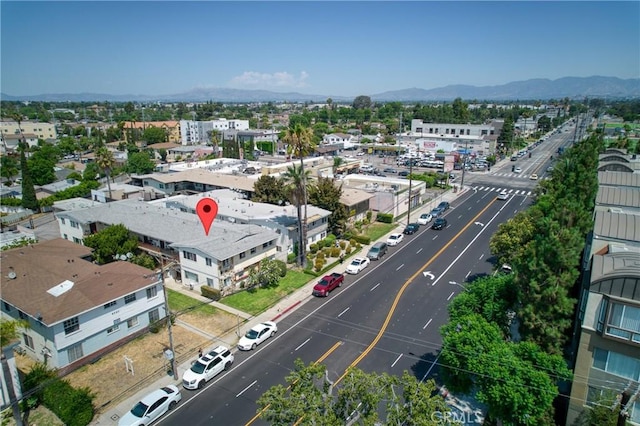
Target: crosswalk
498 190
512 175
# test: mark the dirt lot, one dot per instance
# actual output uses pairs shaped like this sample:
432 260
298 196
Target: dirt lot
110 382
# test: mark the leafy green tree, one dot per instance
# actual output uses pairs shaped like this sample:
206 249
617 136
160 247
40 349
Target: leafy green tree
511 238
29 199
42 163
140 163
9 167
163 155
370 398
154 134
112 240
326 195
266 275
10 330
269 189
361 102
460 111
91 172
604 411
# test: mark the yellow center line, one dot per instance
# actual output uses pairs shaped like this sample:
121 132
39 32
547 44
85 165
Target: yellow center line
319 360
401 291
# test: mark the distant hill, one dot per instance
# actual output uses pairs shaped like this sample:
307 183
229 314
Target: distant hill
538 89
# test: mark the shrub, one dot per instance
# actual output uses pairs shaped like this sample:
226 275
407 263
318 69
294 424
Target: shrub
291 258
335 252
282 268
74 407
385 217
320 256
343 244
38 374
210 292
319 264
362 239
313 248
321 244
330 240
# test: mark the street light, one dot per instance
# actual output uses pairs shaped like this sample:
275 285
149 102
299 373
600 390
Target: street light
458 284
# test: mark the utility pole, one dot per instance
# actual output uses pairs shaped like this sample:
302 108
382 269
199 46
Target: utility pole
174 369
464 163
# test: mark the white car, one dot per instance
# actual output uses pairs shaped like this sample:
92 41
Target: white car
258 334
533 177
503 195
517 170
207 367
395 239
151 407
425 218
357 265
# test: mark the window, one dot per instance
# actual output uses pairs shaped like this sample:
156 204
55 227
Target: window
71 325
634 412
243 255
615 363
191 276
75 352
253 250
189 256
152 292
7 307
110 304
28 341
208 261
73 224
265 245
132 322
62 220
113 329
129 298
624 322
76 240
154 316
22 315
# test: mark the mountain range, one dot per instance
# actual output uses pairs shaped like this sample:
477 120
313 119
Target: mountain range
534 89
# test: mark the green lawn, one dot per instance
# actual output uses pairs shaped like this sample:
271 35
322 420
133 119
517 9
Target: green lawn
257 301
179 302
377 229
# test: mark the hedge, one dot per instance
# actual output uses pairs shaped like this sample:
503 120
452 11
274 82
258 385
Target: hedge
210 292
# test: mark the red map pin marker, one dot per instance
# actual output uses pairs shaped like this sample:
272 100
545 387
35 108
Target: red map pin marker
207 209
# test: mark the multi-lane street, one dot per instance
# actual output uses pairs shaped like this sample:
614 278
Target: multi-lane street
387 318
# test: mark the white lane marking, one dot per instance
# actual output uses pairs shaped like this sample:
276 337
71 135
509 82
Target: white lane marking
340 314
374 287
419 250
399 267
246 389
396 361
302 344
427 324
451 295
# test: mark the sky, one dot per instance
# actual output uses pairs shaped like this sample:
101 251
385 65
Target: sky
333 48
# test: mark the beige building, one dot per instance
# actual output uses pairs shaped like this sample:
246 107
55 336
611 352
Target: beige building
171 127
607 338
42 130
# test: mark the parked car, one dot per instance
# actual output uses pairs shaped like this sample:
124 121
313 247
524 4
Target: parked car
436 212
258 334
425 218
207 367
439 223
327 284
151 407
377 250
503 195
411 228
358 264
395 239
444 205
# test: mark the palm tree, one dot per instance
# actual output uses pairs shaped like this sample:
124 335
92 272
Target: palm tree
105 160
299 140
295 179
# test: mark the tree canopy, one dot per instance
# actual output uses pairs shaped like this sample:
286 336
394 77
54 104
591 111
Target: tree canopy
112 240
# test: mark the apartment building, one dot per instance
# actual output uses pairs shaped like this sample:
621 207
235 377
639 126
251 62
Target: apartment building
171 128
607 338
198 132
41 130
76 310
480 138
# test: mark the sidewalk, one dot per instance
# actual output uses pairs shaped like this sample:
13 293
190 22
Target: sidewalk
275 313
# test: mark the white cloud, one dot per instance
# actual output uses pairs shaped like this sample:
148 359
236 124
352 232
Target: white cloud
257 80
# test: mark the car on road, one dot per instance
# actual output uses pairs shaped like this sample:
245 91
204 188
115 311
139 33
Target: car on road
207 367
517 170
411 228
389 170
403 173
503 195
395 239
550 169
533 176
358 264
439 223
444 205
258 334
436 212
327 284
152 407
425 218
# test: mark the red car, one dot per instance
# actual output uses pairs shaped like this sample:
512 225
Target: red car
328 283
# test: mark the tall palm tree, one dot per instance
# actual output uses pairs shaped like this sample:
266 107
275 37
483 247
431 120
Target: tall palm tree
105 160
295 179
299 140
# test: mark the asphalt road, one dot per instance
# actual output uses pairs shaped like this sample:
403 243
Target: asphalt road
385 319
